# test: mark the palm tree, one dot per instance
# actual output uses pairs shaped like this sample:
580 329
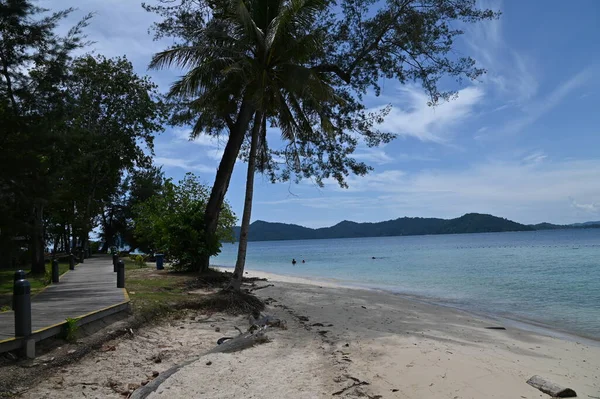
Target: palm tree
253 63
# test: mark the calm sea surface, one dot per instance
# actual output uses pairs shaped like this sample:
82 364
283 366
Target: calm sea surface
547 277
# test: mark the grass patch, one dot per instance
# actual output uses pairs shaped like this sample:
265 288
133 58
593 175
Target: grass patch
38 282
158 292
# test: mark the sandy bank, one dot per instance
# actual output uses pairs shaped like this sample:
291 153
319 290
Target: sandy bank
340 342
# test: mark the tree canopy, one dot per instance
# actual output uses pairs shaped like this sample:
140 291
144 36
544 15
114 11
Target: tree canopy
303 66
72 128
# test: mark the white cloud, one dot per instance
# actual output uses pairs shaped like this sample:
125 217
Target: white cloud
589 208
412 117
187 165
527 192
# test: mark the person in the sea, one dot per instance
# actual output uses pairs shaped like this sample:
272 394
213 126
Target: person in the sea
303 261
293 261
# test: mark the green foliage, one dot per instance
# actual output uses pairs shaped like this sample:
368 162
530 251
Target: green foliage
172 223
71 330
72 128
138 260
306 65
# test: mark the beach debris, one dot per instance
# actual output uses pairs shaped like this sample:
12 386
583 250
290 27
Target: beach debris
364 307
155 374
551 388
317 325
495 328
302 318
323 332
356 383
208 363
217 329
259 320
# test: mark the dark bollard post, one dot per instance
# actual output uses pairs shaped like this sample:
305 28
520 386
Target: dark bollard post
19 275
55 271
115 262
22 298
71 262
121 274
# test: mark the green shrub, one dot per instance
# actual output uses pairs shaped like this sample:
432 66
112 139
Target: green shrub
71 329
138 260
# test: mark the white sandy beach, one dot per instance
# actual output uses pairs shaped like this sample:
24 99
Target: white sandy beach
429 351
340 342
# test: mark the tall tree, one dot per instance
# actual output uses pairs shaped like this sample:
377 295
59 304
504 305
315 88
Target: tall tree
236 51
33 69
113 116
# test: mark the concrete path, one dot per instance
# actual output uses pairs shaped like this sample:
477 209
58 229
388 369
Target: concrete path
91 287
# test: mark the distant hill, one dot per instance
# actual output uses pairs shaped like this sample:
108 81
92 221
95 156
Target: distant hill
469 223
550 226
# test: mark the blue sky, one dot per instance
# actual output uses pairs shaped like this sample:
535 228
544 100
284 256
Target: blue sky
523 142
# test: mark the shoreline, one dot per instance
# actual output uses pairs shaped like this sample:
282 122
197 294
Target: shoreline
519 323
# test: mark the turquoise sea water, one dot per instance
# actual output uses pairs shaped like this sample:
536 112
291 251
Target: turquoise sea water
546 277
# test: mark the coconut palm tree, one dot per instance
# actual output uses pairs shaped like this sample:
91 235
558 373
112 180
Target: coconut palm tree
252 64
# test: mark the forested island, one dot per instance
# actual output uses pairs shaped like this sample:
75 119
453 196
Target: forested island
405 226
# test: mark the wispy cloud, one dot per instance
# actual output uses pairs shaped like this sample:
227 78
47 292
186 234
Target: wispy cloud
538 108
374 155
187 165
412 117
509 71
535 157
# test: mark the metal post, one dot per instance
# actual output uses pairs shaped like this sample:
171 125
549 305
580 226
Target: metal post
115 261
22 290
19 275
121 274
55 271
71 262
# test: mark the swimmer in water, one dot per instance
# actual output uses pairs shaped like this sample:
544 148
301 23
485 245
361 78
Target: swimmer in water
293 261
303 261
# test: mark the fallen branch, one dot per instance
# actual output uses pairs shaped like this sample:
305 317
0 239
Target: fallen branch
551 388
261 287
357 383
241 342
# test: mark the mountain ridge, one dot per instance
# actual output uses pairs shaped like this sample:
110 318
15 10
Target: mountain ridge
261 230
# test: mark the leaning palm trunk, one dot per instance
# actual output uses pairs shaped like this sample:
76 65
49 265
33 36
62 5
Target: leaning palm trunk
238 273
217 195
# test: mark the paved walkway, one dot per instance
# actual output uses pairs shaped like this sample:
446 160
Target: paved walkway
92 286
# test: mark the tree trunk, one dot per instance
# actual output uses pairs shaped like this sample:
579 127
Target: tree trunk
219 189
238 273
37 244
66 239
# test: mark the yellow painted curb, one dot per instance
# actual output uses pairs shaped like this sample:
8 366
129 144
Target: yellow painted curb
8 340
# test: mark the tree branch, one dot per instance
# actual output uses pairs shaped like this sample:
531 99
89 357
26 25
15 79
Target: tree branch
345 76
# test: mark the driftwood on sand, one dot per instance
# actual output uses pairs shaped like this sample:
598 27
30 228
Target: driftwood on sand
242 341
551 388
256 335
